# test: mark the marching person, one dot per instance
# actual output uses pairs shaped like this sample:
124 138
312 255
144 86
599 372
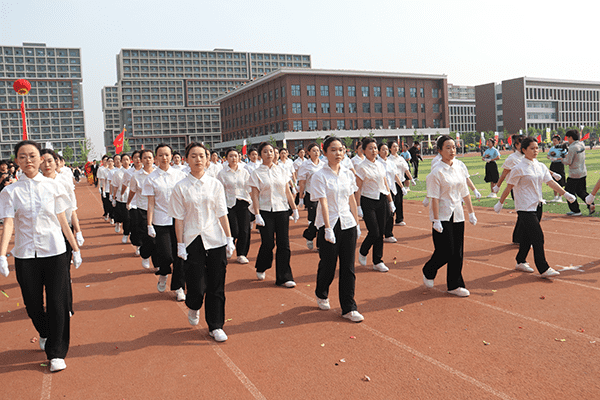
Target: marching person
130 206
271 201
120 199
490 156
235 180
336 219
204 241
394 179
447 189
556 153
526 180
35 207
305 174
138 202
576 182
158 188
376 203
404 172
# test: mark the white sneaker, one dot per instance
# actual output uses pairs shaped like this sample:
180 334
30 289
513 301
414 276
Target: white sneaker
428 282
162 283
309 244
460 292
117 227
193 317
219 335
492 195
323 304
57 364
291 218
180 294
137 250
400 223
354 316
124 239
106 218
362 260
261 275
42 342
380 267
112 221
242 260
524 267
391 239
558 199
550 272
146 263
290 284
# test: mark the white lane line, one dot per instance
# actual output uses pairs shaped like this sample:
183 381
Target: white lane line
46 386
422 356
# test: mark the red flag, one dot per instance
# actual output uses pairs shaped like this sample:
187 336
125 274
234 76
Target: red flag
119 140
586 136
24 122
539 138
244 148
509 140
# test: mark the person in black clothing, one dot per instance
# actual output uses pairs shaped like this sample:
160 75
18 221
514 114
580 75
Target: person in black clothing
415 154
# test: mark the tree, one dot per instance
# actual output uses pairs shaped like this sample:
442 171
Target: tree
239 148
272 141
68 153
348 142
384 140
126 146
85 146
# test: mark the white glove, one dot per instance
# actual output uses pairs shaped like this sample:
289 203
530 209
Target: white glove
437 225
498 206
569 197
556 176
4 266
477 194
128 206
114 203
392 207
413 181
182 251
77 259
259 220
151 231
495 189
589 199
358 232
110 197
472 219
426 202
301 202
359 212
103 195
404 191
295 215
294 191
329 235
79 238
230 247
100 189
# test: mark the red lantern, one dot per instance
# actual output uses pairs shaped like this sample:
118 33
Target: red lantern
22 86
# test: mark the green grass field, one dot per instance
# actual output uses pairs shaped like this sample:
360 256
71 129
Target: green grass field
477 170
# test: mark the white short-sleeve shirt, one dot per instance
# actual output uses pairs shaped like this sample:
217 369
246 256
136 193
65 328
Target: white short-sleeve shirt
448 183
135 185
272 185
199 203
306 172
401 165
512 160
337 189
236 184
34 205
527 178
160 184
373 175
390 173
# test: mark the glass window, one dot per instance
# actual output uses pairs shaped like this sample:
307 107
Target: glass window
422 107
402 107
340 123
377 91
367 123
324 90
339 91
390 107
295 90
296 108
422 92
326 125
378 108
352 108
392 124
339 108
366 107
436 108
423 123
389 91
413 107
310 90
365 91
415 123
413 92
297 125
312 125
378 124
435 93
402 123
352 91
400 92
312 108
325 108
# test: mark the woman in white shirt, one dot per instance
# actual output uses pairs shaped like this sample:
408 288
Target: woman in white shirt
139 202
158 188
271 201
235 180
204 240
120 199
333 188
35 207
375 202
526 180
305 173
130 205
404 171
447 188
394 180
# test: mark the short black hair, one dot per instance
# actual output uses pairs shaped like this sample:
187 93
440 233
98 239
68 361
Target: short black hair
161 145
441 140
366 141
572 134
328 142
526 142
190 146
24 143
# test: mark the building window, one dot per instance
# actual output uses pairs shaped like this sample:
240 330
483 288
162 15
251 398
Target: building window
435 93
365 91
413 107
422 107
339 91
310 90
325 108
312 108
423 125
352 108
284 109
422 92
339 108
402 107
324 90
400 92
297 125
377 91
402 123
378 123
436 108
295 90
392 124
283 91
326 125
415 123
436 123
390 107
366 107
413 92
352 91
378 108
367 123
341 124
312 125
389 91
296 108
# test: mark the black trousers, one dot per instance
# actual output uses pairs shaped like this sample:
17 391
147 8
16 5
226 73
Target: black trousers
448 249
399 203
165 254
239 223
107 206
389 221
205 276
578 187
344 249
147 244
375 215
52 322
416 169
275 231
134 231
310 233
122 216
532 235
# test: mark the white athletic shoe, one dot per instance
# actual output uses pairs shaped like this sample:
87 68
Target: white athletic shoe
242 260
112 221
219 335
362 260
550 272
492 195
42 342
290 284
137 250
194 317
146 263
400 223
323 304
460 292
428 282
57 364
390 239
162 283
118 227
180 294
124 239
524 267
380 267
354 316
261 275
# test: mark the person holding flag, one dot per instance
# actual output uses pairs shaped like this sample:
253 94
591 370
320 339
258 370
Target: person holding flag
120 141
576 182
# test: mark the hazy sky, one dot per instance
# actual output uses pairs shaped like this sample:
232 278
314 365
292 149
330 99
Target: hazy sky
473 42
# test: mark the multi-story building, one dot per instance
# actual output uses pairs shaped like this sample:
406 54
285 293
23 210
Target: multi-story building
168 95
461 108
299 105
523 103
55 103
461 92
